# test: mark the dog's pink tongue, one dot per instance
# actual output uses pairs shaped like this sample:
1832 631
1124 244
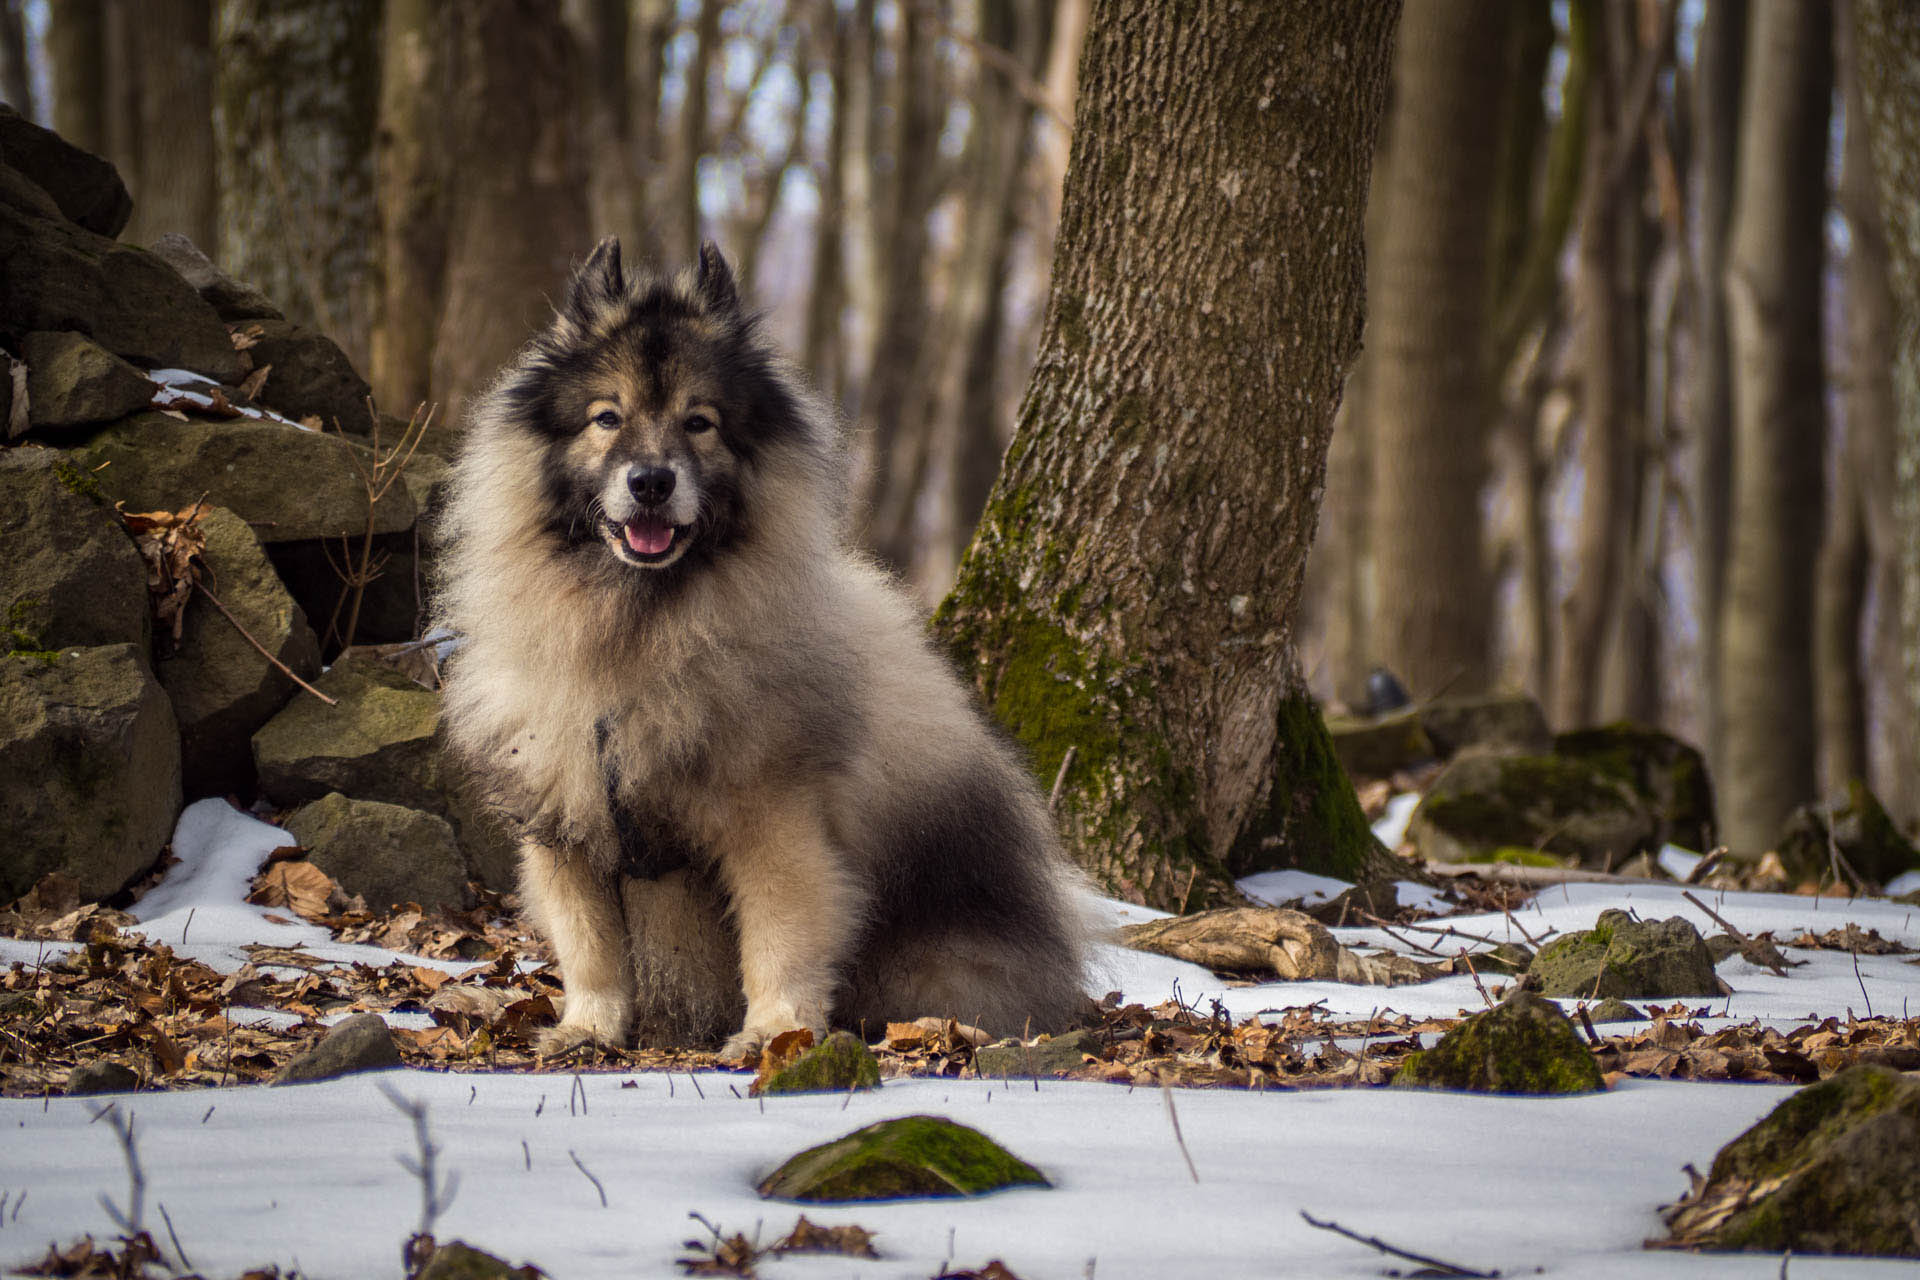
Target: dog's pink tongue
649 535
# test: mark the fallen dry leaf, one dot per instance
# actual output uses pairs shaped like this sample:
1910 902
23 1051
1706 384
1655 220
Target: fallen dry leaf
169 542
299 886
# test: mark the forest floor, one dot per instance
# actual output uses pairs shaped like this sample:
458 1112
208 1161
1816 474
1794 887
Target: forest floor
599 1170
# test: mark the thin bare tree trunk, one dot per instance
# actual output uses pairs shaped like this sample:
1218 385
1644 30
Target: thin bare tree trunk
176 189
16 84
1430 388
1132 588
413 174
77 50
825 344
693 127
1773 301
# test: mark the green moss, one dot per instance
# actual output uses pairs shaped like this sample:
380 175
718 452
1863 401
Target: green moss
837 1064
16 649
74 480
1521 856
912 1157
1313 819
1525 1045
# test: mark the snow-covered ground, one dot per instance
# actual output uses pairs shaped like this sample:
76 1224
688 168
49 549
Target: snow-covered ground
308 1176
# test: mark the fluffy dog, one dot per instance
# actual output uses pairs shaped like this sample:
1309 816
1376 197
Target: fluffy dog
737 766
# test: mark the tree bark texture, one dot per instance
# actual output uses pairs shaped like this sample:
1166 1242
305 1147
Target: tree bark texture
295 97
413 176
1888 40
1431 395
518 196
1131 591
77 50
1775 257
175 189
1719 72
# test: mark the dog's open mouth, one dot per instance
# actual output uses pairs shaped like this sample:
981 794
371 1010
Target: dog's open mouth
649 537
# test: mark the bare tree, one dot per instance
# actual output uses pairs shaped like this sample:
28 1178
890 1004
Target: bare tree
77 51
1130 594
175 189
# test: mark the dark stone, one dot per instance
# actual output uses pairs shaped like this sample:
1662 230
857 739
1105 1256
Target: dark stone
1669 776
390 607
1522 1045
1835 1169
1510 720
231 299
103 1075
1867 838
60 276
1614 1009
383 852
1621 956
1539 810
836 1065
85 188
1385 693
74 382
223 689
70 577
1379 748
287 482
1048 1056
310 375
913 1157
457 1260
360 1043
89 768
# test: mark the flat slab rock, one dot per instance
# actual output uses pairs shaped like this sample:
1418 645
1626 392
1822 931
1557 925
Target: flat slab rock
913 1157
1835 1169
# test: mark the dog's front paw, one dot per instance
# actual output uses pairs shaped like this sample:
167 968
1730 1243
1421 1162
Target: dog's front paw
752 1038
568 1039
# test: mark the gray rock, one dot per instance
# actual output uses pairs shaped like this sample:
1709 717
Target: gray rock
1835 1169
1512 720
1047 1056
1379 747
232 299
89 768
1522 1045
1669 776
289 483
70 576
85 188
1614 1009
73 382
60 276
1621 956
103 1075
1486 806
223 689
360 1043
385 853
310 375
1867 838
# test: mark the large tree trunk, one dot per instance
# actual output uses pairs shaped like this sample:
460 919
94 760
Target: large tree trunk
1130 594
16 79
1888 34
295 96
825 346
518 214
1773 299
1719 72
413 177
175 189
77 50
1431 401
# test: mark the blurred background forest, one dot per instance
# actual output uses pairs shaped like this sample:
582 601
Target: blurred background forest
1623 435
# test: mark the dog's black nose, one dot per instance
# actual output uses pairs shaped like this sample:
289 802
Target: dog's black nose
651 484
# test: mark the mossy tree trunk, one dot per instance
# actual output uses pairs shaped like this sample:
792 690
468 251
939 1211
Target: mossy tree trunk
1773 300
296 83
1131 591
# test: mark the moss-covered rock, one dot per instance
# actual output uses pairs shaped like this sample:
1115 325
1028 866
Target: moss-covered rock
289 483
223 689
1835 1169
1669 776
457 1260
1378 746
1484 802
1457 722
89 768
1867 838
908 1158
74 382
1522 1045
1621 956
386 853
70 576
835 1065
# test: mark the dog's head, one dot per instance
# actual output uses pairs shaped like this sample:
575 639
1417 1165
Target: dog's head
655 399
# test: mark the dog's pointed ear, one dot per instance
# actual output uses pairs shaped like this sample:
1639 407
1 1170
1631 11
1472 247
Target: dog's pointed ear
598 282
714 281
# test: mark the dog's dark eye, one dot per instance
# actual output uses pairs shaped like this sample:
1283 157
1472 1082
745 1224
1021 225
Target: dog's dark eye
697 423
606 418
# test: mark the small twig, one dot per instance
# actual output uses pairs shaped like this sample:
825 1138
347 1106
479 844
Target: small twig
579 1091
178 1251
1475 975
590 1178
1863 983
1166 1092
436 1193
1703 868
1515 924
187 925
1842 869
1442 1267
131 1222
1060 779
248 637
1748 947
1593 1037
